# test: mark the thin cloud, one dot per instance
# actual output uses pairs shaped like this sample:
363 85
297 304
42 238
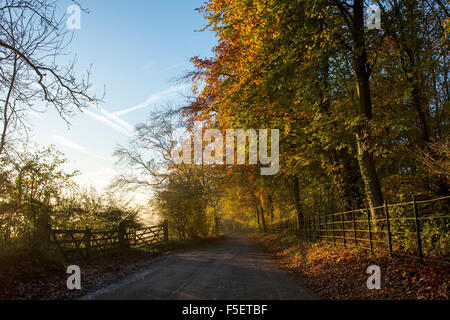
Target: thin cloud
65 142
119 124
169 68
114 121
108 122
119 121
153 98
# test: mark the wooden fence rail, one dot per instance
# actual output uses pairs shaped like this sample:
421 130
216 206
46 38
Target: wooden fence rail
73 244
416 229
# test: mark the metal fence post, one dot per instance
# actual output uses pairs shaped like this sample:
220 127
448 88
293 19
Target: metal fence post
354 228
308 228
316 233
332 227
370 229
343 229
303 229
388 224
320 228
419 240
319 231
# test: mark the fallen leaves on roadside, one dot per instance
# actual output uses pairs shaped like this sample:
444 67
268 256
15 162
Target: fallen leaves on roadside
340 273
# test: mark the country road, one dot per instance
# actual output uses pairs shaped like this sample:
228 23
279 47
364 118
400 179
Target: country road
234 268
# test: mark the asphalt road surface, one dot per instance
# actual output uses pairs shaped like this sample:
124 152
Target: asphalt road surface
232 269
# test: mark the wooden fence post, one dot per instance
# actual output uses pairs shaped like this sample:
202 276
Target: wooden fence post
419 240
388 224
354 228
41 232
370 229
123 243
87 242
166 230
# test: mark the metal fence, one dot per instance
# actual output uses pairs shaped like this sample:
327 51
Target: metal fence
417 229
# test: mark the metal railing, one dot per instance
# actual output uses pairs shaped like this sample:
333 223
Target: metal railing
415 229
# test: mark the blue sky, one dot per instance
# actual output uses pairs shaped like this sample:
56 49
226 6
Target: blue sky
137 50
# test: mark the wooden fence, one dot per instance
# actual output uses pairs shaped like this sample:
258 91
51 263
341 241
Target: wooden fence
416 229
76 244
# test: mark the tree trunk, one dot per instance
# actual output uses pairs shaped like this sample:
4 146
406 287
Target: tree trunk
362 73
270 205
345 179
257 216
6 117
343 176
418 103
263 219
